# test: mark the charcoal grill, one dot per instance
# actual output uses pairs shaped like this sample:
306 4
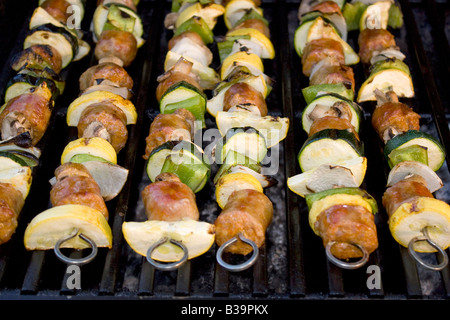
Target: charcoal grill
292 264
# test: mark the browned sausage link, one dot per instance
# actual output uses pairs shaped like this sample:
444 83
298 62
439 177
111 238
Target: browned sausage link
330 122
181 71
31 110
327 7
403 191
371 40
332 74
244 94
57 9
168 199
116 44
105 71
346 225
169 127
11 203
254 24
104 116
38 54
395 117
319 49
74 185
248 212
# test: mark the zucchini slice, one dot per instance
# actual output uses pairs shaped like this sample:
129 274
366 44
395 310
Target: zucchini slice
186 96
328 100
23 83
185 158
246 141
274 129
329 146
311 92
59 38
101 16
375 16
435 151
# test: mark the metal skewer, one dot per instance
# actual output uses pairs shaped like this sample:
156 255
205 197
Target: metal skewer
237 267
77 261
426 237
344 264
167 266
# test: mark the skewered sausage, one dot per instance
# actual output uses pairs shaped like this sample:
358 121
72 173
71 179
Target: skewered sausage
332 74
373 40
248 212
116 44
28 112
58 9
347 224
169 127
11 203
168 199
320 49
104 120
245 95
105 71
75 185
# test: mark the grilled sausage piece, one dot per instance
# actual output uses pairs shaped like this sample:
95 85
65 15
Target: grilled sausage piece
248 212
181 71
330 122
105 71
347 224
11 203
40 55
371 40
327 7
75 185
403 191
28 112
116 44
169 199
176 126
254 24
320 49
57 9
334 74
243 94
393 118
104 120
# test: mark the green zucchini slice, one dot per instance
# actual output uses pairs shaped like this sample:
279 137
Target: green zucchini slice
435 151
246 141
328 100
329 146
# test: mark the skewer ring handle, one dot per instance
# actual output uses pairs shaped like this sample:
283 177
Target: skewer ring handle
167 266
414 254
77 261
344 264
237 267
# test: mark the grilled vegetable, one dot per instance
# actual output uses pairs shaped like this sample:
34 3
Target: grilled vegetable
329 146
348 173
435 153
311 92
330 104
246 141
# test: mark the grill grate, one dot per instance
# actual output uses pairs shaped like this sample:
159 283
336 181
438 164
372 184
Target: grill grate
292 264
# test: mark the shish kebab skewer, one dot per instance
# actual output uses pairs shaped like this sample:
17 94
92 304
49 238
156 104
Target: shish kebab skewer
332 159
89 175
176 166
49 47
417 220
